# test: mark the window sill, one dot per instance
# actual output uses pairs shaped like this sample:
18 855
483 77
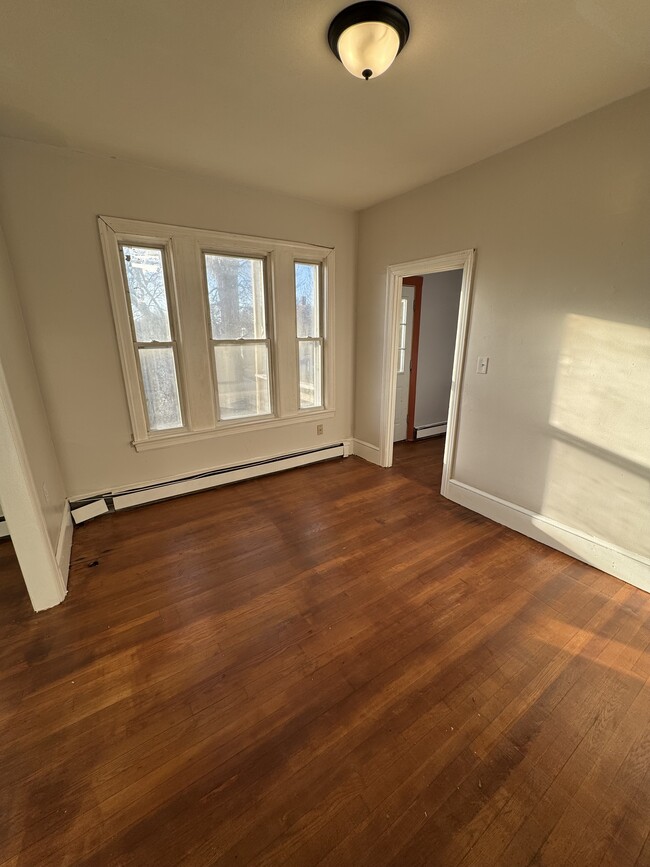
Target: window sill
229 428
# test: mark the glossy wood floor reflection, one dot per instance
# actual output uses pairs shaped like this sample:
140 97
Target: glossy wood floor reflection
331 666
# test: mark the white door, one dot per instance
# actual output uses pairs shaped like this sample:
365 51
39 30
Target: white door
404 340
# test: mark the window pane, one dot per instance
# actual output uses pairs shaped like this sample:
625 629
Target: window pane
236 297
403 312
145 276
243 380
160 388
400 360
311 380
307 300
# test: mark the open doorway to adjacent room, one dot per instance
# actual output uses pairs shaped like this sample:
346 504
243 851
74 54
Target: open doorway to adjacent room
427 338
426 328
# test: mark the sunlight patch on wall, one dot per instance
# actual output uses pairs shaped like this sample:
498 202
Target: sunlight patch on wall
598 475
602 386
589 493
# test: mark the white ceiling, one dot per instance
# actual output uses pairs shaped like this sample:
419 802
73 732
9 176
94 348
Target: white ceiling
249 91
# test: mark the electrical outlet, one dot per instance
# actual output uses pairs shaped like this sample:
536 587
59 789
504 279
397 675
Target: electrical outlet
482 364
319 430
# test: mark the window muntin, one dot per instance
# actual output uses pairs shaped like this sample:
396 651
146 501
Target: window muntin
309 333
241 345
153 337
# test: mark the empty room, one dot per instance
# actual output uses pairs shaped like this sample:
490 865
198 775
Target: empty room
325 433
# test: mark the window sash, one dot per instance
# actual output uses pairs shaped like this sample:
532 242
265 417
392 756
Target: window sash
234 418
155 344
318 338
318 383
240 341
263 261
164 407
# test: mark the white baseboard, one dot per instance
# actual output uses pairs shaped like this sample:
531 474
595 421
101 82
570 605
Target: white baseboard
626 565
366 451
4 529
188 486
431 430
92 510
64 544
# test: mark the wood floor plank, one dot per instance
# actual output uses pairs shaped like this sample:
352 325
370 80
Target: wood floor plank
330 666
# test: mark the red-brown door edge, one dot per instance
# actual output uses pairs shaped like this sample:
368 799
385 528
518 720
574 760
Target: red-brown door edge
416 282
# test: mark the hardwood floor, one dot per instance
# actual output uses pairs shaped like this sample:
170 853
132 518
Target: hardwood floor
331 666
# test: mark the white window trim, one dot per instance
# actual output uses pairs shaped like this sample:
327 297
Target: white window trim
184 248
172 312
323 329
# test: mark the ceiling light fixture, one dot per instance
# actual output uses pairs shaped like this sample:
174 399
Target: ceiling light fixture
368 36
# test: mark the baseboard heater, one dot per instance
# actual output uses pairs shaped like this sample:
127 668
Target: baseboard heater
430 430
91 507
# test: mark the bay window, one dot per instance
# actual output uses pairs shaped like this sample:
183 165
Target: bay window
218 333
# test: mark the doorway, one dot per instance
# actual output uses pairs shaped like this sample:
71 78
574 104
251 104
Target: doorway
404 364
431 340
463 261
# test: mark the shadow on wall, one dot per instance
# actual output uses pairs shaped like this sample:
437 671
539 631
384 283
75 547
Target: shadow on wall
28 127
598 473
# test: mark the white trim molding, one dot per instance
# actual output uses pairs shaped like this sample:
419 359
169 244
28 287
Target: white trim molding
305 417
430 430
366 451
64 544
22 507
626 565
91 510
464 260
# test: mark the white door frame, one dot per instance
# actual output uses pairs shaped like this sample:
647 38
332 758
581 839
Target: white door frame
45 583
406 373
395 273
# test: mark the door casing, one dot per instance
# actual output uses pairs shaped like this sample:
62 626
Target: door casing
465 260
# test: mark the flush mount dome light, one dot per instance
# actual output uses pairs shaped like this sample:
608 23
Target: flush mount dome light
368 36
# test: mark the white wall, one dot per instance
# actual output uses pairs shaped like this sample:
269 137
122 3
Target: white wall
560 425
33 493
438 320
50 199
